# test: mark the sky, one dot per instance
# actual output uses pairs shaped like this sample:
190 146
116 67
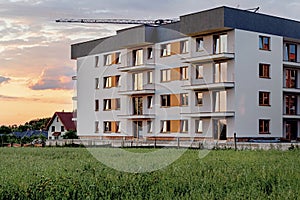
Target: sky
35 65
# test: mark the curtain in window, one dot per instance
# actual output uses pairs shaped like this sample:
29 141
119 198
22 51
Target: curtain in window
139 57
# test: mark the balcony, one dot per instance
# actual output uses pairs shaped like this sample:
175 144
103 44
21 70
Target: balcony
137 92
209 114
135 68
210 58
210 86
74 78
286 116
291 64
137 117
291 90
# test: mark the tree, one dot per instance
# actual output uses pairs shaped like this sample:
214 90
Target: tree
5 130
70 135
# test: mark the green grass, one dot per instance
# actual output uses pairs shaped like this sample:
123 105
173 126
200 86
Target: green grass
69 173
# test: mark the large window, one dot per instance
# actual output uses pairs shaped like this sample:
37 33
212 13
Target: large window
290 104
184 46
291 78
107 104
149 53
220 72
165 126
264 70
290 52
108 59
150 77
184 99
118 58
138 81
220 44
165 100
199 44
138 57
165 75
199 98
264 98
149 126
184 126
264 126
199 126
199 71
149 102
220 101
107 127
107 82
264 43
137 105
165 50
184 73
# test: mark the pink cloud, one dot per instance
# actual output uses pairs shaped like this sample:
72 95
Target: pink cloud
54 78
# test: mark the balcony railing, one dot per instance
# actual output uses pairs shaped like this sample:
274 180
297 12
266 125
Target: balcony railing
209 114
132 68
209 86
210 58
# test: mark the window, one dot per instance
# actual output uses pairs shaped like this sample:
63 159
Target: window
52 128
96 61
264 98
264 70
199 71
264 43
290 104
184 73
220 72
264 126
96 126
165 126
184 46
149 102
291 78
117 127
117 81
137 105
220 44
165 100
184 126
290 52
138 81
138 57
198 126
184 99
56 119
165 50
62 129
149 126
199 44
165 75
96 105
149 53
150 77
108 59
107 104
107 82
220 101
117 58
97 83
199 98
107 127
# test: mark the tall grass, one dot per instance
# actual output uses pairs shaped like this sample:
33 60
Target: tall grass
66 173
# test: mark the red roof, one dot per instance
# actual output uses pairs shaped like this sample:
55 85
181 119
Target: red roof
66 120
56 134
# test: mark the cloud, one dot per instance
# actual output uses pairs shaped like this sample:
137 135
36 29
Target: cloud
4 97
4 80
54 78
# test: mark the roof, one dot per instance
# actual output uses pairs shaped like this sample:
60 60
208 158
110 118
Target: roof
66 120
199 23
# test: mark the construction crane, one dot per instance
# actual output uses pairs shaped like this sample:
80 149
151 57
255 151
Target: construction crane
119 21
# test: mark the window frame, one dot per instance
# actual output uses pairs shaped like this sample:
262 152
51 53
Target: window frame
197 97
197 124
97 105
199 45
107 79
168 100
264 46
150 53
107 124
149 101
264 68
96 126
199 71
167 73
184 99
184 73
164 129
184 123
264 96
108 59
165 50
107 102
150 77
184 47
264 124
149 126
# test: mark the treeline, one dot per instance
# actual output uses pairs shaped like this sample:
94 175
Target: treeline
36 124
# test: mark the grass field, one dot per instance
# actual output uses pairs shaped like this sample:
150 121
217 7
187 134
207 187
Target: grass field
69 173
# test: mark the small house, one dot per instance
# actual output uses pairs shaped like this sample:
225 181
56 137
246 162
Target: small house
60 123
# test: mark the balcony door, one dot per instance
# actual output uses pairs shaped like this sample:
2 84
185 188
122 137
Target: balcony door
219 129
291 78
138 81
290 104
291 130
137 129
137 105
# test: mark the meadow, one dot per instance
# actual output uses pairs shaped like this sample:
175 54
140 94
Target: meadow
73 173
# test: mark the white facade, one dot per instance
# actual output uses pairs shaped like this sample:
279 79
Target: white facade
56 127
236 98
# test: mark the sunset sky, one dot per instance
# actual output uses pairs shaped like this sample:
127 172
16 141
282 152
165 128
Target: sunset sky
35 66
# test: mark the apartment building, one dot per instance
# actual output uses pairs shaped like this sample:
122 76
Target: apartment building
210 75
